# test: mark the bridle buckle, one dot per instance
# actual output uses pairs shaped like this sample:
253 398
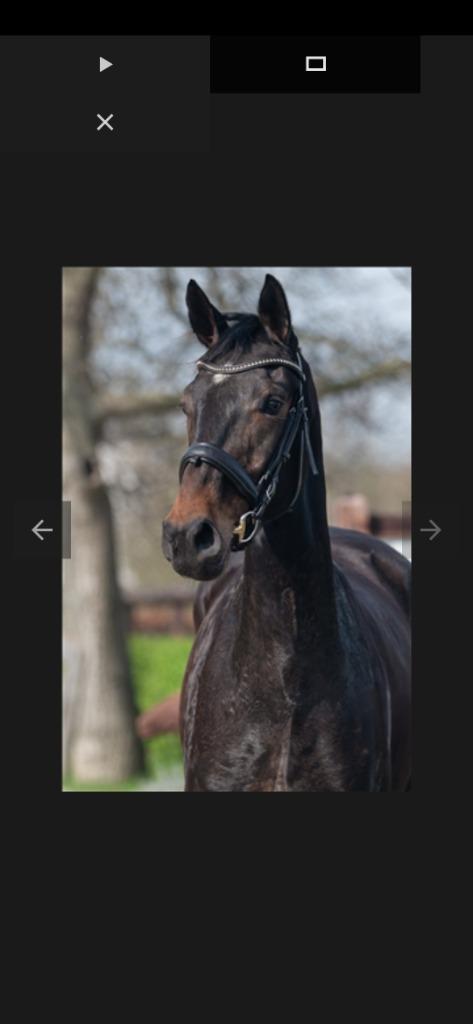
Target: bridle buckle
240 530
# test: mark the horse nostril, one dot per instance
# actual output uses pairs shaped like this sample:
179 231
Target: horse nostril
170 539
204 537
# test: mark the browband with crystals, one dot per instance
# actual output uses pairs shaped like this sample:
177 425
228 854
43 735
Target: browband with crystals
255 365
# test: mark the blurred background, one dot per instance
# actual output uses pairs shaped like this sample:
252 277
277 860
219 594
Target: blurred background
128 352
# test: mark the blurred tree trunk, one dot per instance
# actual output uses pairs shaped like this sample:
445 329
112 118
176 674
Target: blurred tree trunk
99 737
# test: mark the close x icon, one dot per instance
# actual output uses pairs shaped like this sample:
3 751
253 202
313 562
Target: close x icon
105 122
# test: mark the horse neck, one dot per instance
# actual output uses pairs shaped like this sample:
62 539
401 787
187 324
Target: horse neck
292 555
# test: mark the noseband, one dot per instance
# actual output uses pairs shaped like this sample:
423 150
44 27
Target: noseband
259 495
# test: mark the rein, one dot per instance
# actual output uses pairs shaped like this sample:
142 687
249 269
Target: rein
259 495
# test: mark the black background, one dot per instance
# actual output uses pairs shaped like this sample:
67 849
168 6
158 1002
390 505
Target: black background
51 90
289 180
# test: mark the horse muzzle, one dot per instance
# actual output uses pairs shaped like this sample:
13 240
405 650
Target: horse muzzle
195 549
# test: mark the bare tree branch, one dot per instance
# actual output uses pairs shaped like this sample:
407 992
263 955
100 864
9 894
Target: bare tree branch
346 347
135 405
173 292
372 375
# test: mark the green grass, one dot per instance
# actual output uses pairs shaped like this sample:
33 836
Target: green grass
158 664
71 786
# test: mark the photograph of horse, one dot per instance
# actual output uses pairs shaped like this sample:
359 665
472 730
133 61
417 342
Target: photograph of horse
299 675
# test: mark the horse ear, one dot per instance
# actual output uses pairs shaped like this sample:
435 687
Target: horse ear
206 321
273 310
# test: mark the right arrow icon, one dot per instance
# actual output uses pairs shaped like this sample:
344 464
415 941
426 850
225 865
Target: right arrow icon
433 529
104 64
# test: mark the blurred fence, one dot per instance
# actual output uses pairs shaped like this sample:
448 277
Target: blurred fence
159 611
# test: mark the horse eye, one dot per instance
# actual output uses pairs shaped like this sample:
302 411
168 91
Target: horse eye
272 406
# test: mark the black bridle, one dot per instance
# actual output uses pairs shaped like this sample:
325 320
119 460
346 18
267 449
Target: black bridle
259 495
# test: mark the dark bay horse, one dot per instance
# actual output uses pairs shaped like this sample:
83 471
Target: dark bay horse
299 677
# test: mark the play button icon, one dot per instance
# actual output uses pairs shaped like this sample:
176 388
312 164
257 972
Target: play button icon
104 64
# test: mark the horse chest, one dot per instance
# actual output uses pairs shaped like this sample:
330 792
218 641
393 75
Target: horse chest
237 717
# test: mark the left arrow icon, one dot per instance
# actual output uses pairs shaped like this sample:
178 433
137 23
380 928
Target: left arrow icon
39 529
104 64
